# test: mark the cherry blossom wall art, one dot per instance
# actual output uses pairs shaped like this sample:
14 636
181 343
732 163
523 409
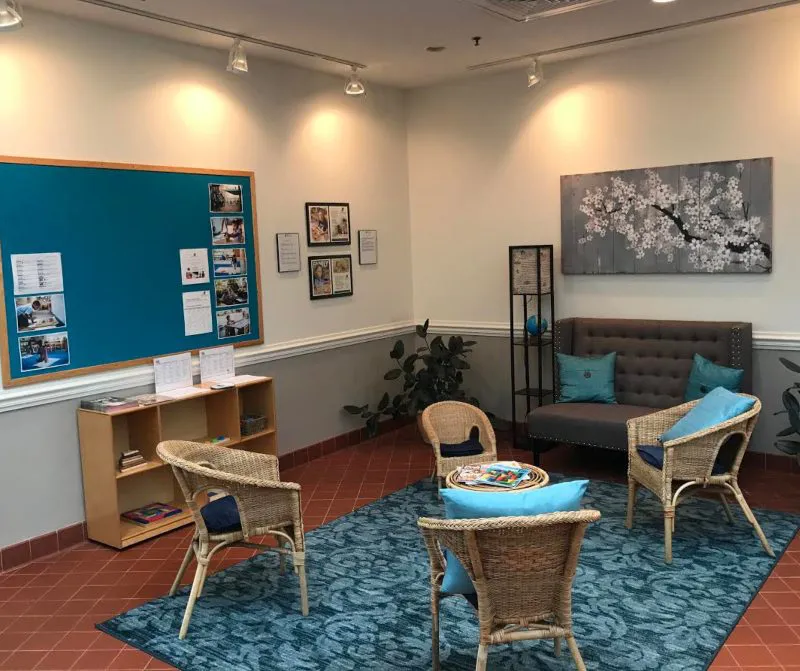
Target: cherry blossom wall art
700 218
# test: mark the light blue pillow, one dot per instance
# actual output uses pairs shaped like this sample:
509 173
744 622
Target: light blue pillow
464 504
706 375
718 406
586 379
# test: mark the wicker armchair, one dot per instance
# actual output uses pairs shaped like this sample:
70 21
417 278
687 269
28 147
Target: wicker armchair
522 569
266 506
451 422
690 463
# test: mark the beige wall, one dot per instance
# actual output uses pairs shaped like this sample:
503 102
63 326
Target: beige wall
485 157
80 91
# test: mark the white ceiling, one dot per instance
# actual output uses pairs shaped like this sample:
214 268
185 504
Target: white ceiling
390 36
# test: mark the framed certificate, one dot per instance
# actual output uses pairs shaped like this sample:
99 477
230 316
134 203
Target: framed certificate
367 247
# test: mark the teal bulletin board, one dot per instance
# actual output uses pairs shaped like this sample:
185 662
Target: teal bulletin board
119 230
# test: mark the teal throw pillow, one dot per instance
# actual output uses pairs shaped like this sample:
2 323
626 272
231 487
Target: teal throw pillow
718 406
586 379
463 504
707 375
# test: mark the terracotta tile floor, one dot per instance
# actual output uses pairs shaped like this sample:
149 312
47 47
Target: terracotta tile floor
48 608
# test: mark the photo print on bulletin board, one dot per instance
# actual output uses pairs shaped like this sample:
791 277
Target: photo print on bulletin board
228 262
330 276
231 291
39 313
227 231
40 352
233 323
225 198
328 224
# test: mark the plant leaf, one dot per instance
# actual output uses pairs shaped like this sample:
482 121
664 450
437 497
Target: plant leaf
791 365
788 447
354 409
425 327
398 350
788 431
393 374
470 343
384 402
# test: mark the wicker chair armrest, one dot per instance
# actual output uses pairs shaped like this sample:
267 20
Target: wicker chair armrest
647 429
492 523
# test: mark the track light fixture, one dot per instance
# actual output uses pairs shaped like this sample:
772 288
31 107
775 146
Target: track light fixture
237 59
354 86
535 73
10 14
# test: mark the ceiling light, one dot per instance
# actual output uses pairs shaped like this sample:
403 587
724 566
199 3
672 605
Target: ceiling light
10 14
662 2
535 74
354 86
237 59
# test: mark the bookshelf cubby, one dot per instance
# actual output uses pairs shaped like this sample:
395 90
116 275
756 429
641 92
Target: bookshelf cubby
109 492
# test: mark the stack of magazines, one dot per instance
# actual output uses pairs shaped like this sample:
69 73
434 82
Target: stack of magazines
506 474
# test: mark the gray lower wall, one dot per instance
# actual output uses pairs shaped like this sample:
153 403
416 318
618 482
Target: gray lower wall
40 478
490 382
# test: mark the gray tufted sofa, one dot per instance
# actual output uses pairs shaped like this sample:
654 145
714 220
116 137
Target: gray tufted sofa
654 359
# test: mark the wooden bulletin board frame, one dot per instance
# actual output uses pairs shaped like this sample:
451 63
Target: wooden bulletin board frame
6 341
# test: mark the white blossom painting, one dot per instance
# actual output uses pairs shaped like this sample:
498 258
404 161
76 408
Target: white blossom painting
700 218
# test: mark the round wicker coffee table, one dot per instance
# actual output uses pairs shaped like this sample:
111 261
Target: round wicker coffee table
539 478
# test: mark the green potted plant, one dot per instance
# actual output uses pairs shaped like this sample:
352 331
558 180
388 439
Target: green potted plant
789 439
433 373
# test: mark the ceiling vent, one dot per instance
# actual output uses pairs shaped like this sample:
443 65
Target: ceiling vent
528 10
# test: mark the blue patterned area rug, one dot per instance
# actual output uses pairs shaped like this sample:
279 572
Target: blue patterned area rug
369 596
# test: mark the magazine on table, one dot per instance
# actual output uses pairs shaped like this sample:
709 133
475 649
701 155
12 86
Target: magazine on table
506 474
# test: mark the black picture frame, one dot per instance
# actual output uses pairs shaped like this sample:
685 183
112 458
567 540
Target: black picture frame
278 253
361 261
318 292
315 239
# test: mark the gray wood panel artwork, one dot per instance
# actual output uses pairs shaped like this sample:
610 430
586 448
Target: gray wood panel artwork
700 218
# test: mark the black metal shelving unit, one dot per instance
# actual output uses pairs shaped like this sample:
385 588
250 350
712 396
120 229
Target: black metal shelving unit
530 289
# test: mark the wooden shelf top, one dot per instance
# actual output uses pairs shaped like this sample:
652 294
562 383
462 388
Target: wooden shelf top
253 436
141 468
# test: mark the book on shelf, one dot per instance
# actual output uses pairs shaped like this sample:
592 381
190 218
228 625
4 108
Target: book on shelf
153 512
108 404
505 474
150 399
131 459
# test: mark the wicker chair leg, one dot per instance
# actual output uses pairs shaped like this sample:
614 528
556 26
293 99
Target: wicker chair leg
751 518
669 525
483 657
197 586
299 560
435 626
557 646
576 654
632 487
723 499
182 570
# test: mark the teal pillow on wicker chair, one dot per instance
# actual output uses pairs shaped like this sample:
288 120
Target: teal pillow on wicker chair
586 379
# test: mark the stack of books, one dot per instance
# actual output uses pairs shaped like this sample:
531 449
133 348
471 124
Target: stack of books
153 512
109 404
131 459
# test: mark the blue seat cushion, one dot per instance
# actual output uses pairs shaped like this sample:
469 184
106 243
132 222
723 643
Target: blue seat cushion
464 504
586 379
222 516
654 455
468 448
716 407
707 375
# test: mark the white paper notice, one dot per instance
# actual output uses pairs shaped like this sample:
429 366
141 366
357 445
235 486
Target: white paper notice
288 252
197 313
368 248
173 372
216 364
35 273
194 266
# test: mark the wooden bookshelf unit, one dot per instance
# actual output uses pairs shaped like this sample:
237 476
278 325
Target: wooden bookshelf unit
108 492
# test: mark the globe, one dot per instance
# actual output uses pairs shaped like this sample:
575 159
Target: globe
532 325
